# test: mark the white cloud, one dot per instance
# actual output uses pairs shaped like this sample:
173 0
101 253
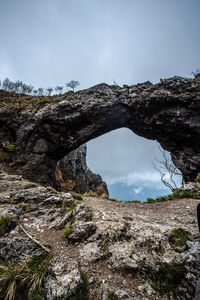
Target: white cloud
137 190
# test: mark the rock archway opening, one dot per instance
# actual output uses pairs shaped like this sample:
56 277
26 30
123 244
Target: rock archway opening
41 136
125 162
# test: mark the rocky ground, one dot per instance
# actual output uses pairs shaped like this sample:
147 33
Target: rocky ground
125 250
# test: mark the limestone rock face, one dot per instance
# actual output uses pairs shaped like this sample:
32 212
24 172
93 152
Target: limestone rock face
63 278
72 174
167 112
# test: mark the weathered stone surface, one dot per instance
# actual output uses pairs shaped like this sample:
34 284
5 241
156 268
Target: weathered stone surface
82 230
63 278
72 174
167 112
121 247
16 249
91 251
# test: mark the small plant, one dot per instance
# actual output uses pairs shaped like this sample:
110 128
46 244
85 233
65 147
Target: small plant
10 148
179 237
28 208
12 199
79 197
82 293
198 178
73 206
68 229
168 278
6 224
112 296
64 203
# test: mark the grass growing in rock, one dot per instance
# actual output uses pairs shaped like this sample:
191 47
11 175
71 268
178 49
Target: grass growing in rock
67 229
179 237
73 206
168 279
79 197
112 296
83 291
24 280
10 148
6 224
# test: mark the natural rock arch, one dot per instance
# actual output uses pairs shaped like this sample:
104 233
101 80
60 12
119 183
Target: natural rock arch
167 112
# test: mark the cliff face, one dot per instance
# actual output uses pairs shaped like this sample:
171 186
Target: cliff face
43 132
72 174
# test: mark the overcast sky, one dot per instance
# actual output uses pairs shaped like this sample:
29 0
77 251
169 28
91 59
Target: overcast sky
50 42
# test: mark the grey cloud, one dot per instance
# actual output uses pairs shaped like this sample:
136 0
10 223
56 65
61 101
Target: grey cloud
48 42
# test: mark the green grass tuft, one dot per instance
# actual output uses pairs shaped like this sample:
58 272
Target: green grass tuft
67 229
168 278
10 148
179 237
24 280
73 206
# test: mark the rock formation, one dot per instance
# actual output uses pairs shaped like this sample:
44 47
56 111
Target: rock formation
72 174
43 134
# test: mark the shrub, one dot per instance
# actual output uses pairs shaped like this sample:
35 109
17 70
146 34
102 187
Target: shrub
179 237
68 229
74 205
151 200
6 224
133 201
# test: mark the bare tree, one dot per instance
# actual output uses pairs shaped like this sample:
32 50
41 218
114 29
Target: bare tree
35 92
196 74
6 84
59 89
49 91
40 92
73 84
167 170
18 86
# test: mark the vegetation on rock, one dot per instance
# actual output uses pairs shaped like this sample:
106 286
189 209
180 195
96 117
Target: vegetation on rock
179 236
168 278
67 229
82 293
24 280
6 224
73 206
